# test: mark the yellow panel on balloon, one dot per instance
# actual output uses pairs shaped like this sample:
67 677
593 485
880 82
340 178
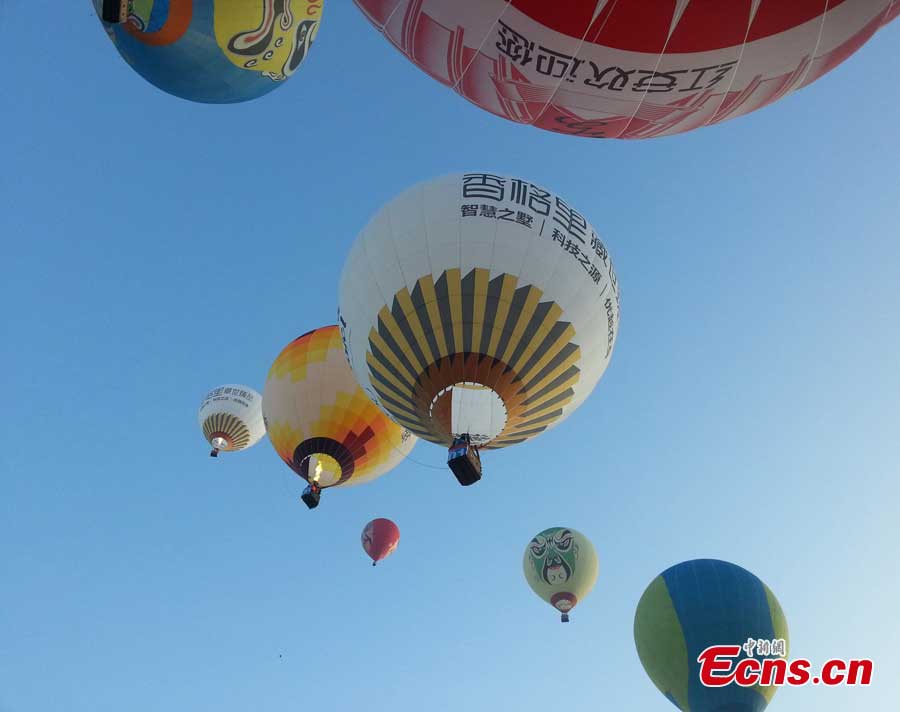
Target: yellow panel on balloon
270 38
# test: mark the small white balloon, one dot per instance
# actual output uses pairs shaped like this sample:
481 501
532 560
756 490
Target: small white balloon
231 418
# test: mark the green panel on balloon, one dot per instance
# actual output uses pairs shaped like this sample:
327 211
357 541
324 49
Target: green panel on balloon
658 628
780 626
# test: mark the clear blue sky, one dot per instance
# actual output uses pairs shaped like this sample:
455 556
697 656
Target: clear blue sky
154 248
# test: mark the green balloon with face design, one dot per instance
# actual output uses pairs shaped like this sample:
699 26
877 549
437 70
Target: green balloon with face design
561 567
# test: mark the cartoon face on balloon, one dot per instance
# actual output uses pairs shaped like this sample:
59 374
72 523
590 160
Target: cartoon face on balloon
554 556
273 39
561 567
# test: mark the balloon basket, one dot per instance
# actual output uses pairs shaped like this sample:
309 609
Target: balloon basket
564 617
466 467
310 499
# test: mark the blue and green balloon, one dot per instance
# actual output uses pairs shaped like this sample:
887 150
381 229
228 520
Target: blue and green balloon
692 606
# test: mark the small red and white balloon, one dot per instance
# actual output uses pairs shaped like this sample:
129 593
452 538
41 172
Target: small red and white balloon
379 539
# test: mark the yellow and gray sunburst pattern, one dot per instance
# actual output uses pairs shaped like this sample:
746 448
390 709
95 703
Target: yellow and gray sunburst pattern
479 328
316 414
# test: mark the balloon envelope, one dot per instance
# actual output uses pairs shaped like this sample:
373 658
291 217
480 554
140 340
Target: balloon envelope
561 567
231 417
626 68
320 422
479 304
694 605
216 51
379 539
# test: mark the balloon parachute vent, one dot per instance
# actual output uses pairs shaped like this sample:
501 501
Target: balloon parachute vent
213 453
564 618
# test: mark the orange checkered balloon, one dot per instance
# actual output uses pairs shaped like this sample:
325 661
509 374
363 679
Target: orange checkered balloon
321 423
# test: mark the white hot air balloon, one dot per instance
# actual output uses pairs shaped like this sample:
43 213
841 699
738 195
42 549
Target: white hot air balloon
479 305
231 418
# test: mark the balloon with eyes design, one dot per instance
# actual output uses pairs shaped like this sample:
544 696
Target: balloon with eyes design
561 567
212 51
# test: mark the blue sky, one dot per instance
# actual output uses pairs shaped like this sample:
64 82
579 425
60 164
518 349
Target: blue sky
154 248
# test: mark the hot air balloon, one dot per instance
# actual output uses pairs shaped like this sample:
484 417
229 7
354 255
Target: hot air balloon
478 310
379 539
697 604
231 418
561 567
212 51
321 423
626 68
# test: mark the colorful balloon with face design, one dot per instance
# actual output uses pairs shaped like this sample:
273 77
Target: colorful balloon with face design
561 567
216 51
626 68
